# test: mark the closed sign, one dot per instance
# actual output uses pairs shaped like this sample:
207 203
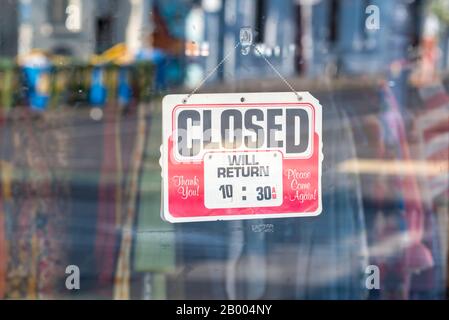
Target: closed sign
241 156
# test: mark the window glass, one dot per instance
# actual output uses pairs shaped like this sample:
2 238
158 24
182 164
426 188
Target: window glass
82 148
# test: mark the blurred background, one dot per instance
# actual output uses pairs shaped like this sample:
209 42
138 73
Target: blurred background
81 85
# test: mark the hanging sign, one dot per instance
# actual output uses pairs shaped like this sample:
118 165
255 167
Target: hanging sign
241 156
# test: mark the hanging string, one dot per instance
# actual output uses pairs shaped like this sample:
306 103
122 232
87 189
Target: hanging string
211 73
277 72
227 57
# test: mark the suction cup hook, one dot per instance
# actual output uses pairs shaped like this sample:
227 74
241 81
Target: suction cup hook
246 40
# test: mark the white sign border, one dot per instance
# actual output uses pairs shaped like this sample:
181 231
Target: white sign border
169 102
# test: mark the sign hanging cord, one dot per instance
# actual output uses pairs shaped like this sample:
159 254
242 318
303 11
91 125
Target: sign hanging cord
277 72
246 42
210 73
